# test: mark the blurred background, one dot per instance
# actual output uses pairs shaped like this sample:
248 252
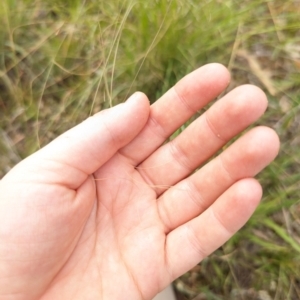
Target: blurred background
63 60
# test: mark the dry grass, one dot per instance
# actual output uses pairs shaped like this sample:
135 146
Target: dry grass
60 61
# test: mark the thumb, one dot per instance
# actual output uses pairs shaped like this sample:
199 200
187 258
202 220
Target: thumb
82 150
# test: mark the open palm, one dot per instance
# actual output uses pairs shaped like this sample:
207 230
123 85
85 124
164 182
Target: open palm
110 211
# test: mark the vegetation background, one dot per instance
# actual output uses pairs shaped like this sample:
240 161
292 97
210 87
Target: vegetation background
62 60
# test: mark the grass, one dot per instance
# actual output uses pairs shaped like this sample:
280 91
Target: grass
61 61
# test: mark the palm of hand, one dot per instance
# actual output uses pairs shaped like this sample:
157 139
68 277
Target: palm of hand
90 227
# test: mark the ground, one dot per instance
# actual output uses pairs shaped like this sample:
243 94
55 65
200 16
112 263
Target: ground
61 61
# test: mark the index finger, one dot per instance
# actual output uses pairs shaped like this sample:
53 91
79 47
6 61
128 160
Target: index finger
175 107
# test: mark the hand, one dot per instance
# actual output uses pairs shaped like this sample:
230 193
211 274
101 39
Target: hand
107 211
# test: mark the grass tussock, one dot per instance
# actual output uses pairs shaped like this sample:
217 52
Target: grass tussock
61 61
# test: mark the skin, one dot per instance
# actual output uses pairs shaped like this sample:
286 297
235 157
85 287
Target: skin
110 211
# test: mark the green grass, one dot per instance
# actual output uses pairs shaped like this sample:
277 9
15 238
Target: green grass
60 61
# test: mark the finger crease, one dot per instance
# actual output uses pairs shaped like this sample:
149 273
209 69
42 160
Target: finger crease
218 219
167 261
183 101
192 191
212 128
179 155
153 123
225 168
195 243
147 179
164 216
113 138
